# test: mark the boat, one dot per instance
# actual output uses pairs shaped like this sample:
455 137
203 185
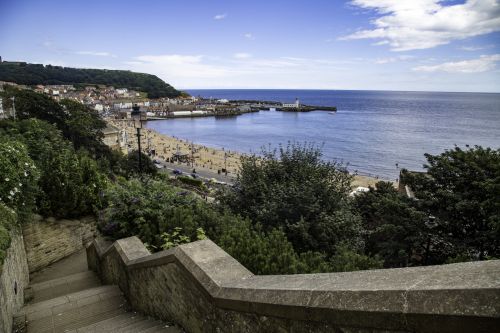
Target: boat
334 112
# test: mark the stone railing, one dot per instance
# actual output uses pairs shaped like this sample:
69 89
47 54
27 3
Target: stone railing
203 289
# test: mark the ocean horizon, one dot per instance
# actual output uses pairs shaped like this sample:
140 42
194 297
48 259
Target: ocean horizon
374 133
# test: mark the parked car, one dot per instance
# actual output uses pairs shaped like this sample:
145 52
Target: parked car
177 172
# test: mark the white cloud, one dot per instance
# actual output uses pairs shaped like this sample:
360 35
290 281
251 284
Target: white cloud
476 48
97 54
421 24
482 64
239 70
220 16
381 61
248 35
242 55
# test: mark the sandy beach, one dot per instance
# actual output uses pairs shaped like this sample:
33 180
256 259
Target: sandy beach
205 158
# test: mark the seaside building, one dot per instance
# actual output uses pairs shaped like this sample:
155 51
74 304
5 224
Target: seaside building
295 105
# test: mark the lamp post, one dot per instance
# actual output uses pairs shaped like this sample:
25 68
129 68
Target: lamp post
136 117
430 224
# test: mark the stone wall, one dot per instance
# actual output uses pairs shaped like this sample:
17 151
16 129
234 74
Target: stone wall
14 278
50 240
201 288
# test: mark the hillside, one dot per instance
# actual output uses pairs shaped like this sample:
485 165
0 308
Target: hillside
32 74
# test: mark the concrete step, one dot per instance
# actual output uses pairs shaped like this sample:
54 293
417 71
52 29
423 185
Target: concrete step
75 310
46 290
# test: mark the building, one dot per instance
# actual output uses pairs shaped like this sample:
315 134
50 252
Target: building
295 105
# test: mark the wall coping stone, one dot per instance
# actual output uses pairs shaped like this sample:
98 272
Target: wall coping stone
398 298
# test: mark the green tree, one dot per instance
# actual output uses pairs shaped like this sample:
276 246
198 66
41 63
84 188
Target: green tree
83 126
292 188
130 164
462 190
394 228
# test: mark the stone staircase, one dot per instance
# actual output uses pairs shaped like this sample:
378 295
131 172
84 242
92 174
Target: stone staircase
66 297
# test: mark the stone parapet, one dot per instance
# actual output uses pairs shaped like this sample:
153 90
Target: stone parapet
203 289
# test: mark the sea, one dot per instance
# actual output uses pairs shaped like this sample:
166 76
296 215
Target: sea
373 133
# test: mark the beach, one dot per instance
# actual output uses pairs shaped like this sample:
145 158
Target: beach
205 158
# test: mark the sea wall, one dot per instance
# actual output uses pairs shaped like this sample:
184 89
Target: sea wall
14 278
201 288
50 240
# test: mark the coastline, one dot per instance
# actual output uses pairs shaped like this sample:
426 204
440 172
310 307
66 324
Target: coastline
208 159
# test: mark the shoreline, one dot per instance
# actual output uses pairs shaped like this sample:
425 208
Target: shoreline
208 159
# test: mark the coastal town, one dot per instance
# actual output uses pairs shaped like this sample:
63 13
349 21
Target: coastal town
168 152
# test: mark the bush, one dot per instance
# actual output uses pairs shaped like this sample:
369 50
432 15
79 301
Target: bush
163 216
292 188
19 176
191 181
130 165
70 183
8 220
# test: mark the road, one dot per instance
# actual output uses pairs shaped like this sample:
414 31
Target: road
202 173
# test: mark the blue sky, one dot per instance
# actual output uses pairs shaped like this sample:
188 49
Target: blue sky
317 44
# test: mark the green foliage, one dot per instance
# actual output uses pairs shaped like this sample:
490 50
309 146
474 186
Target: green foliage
163 216
148 209
394 228
77 123
32 74
176 238
83 126
461 189
70 182
8 220
191 181
19 176
347 260
30 104
130 165
292 188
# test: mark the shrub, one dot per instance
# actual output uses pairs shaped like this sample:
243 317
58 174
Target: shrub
8 220
19 176
292 188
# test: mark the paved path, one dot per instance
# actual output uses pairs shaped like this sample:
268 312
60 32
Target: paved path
67 297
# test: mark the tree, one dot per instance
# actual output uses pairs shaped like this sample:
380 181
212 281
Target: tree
394 228
32 74
83 126
292 188
462 190
130 164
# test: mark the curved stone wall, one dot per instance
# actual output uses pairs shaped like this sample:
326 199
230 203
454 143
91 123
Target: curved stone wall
203 289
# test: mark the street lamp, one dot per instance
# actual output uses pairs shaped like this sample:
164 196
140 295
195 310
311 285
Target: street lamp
430 224
136 117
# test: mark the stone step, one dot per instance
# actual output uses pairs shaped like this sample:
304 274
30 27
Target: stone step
46 290
129 322
75 310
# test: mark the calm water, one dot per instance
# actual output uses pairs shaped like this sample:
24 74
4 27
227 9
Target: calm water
372 130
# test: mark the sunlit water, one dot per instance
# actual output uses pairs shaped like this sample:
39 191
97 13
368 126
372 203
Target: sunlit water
372 130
